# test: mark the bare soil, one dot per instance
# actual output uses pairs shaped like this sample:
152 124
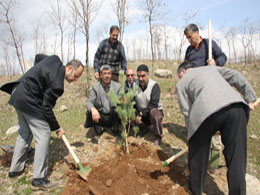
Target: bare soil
136 173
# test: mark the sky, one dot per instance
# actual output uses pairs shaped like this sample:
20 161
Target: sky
221 12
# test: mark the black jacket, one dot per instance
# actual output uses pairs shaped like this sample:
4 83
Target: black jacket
36 92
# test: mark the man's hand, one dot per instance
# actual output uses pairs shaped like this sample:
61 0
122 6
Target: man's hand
95 115
211 62
97 75
60 132
138 118
254 104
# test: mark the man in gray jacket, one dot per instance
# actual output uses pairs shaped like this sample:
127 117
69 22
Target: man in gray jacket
100 110
209 103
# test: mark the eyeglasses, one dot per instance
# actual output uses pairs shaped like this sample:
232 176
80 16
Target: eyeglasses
128 75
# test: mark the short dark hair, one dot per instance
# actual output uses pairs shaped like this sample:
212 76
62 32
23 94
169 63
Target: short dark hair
75 63
112 28
184 66
105 67
191 27
143 67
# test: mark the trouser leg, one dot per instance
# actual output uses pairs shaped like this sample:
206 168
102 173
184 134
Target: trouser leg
234 138
198 155
22 145
156 118
41 133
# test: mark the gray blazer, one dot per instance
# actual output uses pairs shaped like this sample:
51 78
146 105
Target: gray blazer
206 90
99 99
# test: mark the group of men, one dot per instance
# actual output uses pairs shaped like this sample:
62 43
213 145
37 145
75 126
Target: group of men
205 95
101 112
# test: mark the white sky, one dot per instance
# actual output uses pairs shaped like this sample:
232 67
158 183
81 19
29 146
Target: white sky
222 13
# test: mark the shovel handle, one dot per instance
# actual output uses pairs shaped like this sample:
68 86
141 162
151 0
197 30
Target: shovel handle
70 148
174 157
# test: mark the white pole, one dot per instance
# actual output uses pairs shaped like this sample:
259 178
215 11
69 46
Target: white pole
210 39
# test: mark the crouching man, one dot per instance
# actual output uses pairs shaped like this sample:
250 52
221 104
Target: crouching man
100 110
148 104
209 103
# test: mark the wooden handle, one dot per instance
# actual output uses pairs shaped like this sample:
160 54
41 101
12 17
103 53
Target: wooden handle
210 39
257 101
174 157
70 148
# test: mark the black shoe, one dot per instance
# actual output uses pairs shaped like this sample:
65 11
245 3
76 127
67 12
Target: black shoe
43 183
15 173
99 129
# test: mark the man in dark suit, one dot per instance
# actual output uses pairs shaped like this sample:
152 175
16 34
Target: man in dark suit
130 79
33 96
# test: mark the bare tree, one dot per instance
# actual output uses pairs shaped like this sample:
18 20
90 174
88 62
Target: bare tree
6 7
73 22
228 37
9 61
186 17
153 11
233 31
87 11
165 41
101 31
246 31
158 41
58 16
39 36
120 9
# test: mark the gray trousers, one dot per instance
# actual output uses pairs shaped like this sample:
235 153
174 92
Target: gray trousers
40 131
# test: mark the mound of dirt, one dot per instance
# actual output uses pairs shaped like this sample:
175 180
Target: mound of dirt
136 173
6 159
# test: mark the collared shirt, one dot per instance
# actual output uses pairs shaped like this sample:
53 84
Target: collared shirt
106 89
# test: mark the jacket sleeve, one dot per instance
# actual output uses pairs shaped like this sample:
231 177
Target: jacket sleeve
97 56
123 59
54 82
184 102
219 56
91 99
49 100
237 80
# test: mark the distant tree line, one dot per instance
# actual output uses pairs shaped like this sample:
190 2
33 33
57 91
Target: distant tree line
58 30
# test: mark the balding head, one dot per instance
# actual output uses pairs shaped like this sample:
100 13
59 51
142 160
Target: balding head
130 75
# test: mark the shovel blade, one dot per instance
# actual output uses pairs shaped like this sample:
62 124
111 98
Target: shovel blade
84 172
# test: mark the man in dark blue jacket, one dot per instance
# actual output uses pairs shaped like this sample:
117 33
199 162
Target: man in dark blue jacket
197 52
33 96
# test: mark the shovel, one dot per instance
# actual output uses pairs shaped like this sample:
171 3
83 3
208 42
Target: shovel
174 157
83 171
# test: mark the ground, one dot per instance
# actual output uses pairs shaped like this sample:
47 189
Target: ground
112 171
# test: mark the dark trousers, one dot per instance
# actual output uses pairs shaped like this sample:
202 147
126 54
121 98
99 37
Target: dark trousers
106 120
232 123
155 118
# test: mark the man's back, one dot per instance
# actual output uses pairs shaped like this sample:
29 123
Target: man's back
203 91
